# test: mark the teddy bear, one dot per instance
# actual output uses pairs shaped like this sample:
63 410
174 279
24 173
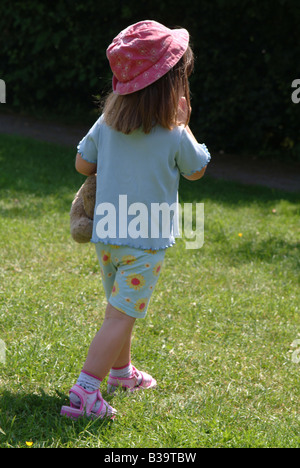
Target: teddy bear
82 211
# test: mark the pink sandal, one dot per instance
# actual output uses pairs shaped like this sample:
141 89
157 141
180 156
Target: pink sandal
88 400
131 383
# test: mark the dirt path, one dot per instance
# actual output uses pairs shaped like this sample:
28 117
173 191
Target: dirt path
227 167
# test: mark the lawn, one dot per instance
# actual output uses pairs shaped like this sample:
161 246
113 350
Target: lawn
221 334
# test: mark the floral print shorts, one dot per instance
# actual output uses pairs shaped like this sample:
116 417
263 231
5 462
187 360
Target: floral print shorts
129 276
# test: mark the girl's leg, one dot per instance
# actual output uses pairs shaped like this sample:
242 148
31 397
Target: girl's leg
111 344
124 357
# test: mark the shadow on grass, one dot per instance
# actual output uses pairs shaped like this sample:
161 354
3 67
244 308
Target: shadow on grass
44 168
36 418
232 193
35 176
36 167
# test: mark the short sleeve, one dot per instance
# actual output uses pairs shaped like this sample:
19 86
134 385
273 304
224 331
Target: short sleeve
191 156
88 146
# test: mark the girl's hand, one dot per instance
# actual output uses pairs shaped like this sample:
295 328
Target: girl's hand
183 111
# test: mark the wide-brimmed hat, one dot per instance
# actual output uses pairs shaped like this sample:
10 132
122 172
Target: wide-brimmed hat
143 53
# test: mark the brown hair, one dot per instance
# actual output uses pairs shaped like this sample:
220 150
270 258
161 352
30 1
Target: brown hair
157 104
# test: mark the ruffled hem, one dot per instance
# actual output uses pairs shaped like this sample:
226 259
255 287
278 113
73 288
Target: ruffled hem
205 164
133 245
126 310
82 155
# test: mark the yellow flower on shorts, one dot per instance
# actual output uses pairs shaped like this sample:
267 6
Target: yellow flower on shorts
115 289
153 252
157 268
105 257
135 281
128 259
140 305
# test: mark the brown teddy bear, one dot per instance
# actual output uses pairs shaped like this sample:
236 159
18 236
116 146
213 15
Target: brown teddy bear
82 211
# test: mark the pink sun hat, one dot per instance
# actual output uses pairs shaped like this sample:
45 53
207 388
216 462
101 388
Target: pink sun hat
143 53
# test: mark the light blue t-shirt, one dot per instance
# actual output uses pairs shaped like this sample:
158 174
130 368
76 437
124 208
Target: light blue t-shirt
137 182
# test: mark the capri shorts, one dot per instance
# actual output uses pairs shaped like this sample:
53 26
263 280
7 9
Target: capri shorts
129 276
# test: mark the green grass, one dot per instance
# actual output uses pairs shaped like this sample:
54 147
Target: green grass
218 335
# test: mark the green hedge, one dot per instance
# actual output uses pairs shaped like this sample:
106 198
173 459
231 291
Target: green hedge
52 59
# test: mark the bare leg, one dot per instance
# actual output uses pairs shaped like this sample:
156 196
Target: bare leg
111 344
124 357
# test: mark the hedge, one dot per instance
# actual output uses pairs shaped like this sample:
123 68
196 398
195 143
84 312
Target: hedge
52 59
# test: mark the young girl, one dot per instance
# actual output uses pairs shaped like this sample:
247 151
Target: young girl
138 148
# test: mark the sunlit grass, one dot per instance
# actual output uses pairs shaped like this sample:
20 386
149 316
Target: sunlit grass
217 336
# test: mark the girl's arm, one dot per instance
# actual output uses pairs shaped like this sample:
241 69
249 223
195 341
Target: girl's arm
182 112
84 167
197 175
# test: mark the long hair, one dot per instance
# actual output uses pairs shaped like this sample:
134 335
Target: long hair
157 104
